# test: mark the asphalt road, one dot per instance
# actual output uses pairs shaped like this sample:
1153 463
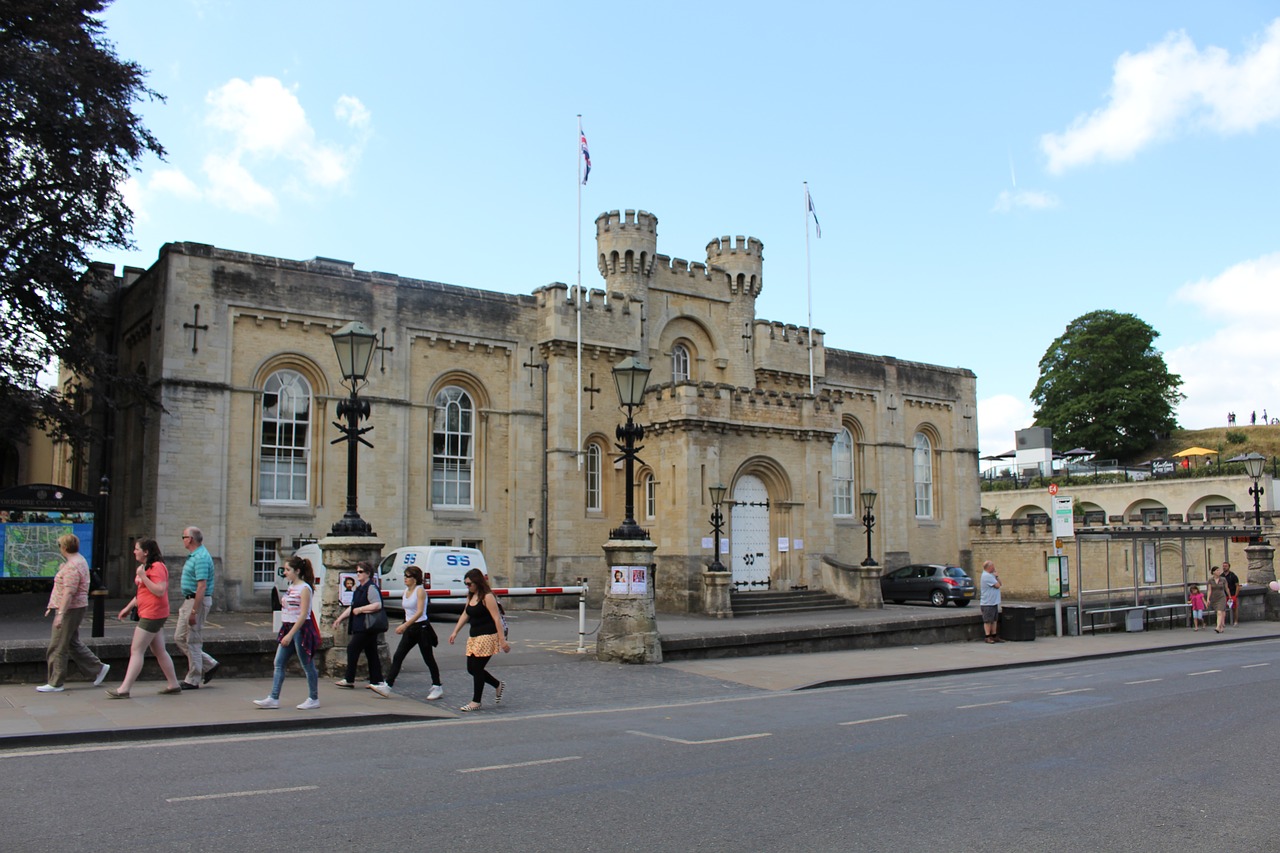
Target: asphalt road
1150 752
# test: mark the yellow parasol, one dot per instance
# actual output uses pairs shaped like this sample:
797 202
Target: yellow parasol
1196 451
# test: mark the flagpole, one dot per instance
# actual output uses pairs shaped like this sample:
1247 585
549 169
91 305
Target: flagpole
808 280
577 293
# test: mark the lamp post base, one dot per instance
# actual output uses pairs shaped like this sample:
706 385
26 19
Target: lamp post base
628 624
715 593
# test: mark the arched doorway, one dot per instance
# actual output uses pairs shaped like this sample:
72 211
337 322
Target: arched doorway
749 533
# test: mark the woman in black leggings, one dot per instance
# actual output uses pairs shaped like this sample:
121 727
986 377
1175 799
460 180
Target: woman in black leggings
486 637
416 631
366 599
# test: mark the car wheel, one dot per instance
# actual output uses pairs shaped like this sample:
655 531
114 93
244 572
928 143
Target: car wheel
964 602
938 598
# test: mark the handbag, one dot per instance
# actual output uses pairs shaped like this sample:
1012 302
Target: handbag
376 622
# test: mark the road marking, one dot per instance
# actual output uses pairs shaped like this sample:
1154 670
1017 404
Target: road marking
1065 692
242 794
1204 672
872 720
701 742
1252 665
519 764
1145 681
984 705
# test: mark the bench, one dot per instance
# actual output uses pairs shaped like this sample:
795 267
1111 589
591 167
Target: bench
1168 611
1107 611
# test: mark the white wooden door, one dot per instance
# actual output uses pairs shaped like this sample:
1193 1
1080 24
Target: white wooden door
749 533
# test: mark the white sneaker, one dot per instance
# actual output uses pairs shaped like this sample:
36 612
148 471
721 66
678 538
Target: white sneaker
436 692
102 674
383 689
310 704
267 703
48 688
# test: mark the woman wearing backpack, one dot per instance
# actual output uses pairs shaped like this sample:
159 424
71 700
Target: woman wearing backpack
485 640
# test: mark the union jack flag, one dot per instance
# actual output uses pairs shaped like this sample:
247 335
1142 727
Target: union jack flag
586 155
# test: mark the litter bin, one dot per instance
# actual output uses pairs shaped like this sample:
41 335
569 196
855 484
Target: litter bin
1073 620
1018 623
1134 622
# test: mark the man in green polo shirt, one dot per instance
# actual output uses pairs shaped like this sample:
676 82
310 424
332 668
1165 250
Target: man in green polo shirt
197 594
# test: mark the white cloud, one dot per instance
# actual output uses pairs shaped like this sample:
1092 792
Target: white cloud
1170 88
349 109
233 187
1011 200
138 194
999 417
1231 370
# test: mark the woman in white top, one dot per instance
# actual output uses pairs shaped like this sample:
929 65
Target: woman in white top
298 634
415 631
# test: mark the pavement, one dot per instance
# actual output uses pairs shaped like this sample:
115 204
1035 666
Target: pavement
545 673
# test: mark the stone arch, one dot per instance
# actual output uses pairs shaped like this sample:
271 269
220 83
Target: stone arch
1144 506
691 333
1027 510
1203 504
310 371
320 388
457 474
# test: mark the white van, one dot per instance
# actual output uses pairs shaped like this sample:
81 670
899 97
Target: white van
442 568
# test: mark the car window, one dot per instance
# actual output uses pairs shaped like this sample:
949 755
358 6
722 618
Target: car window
956 572
902 573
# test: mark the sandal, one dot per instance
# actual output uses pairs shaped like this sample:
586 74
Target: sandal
497 694
116 694
470 706
169 691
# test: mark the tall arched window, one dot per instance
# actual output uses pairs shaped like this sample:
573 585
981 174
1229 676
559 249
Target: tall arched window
650 496
284 457
595 499
680 363
452 448
842 473
923 464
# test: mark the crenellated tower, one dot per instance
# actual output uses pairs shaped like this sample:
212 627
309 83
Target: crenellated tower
625 247
738 264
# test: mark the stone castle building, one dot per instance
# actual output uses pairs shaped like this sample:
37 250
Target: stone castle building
475 400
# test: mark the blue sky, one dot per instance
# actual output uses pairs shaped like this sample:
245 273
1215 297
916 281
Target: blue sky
984 173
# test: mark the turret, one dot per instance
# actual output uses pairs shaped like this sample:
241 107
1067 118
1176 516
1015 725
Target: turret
625 246
740 264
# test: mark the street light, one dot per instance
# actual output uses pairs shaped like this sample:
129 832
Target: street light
631 376
354 344
1253 465
717 524
868 521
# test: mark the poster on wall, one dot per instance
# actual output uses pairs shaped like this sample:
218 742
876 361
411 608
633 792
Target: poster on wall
628 580
1148 562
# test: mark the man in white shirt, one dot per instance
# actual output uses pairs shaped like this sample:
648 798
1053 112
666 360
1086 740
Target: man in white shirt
989 601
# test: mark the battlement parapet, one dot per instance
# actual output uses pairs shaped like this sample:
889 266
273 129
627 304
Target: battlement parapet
637 220
722 246
680 266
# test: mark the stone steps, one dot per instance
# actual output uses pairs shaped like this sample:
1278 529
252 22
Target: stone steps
759 603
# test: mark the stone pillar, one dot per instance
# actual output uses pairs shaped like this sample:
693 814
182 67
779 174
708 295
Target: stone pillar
715 594
1262 572
341 553
628 625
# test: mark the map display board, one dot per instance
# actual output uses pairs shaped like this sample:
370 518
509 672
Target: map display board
31 520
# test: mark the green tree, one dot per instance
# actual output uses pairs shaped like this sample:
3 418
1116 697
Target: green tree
70 139
1104 386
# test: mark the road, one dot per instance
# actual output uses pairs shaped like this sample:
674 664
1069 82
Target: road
1138 753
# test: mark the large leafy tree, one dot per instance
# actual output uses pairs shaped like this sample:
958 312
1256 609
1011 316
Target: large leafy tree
70 139
1103 385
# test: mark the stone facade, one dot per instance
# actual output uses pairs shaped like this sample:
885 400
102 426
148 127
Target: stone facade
728 401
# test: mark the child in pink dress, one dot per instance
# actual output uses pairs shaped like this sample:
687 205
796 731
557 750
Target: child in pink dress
1197 602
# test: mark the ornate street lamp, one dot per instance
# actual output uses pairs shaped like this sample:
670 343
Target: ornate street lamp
354 344
868 521
1253 465
717 524
631 376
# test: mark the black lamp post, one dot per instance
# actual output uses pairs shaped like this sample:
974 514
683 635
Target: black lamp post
868 521
1253 465
354 344
631 376
717 523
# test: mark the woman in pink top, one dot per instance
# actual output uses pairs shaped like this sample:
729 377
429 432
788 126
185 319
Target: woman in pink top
152 603
67 603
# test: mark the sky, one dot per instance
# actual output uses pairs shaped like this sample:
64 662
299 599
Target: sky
983 173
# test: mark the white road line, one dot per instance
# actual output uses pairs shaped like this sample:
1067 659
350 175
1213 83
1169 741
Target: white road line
1204 672
519 764
1065 692
700 742
242 794
1252 665
983 705
872 720
1145 681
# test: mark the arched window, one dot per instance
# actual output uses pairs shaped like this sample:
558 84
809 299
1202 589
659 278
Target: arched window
842 474
595 499
452 448
922 458
284 456
650 496
680 363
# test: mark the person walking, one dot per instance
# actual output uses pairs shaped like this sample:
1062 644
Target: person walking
1197 602
1218 597
152 603
298 635
197 594
989 601
1233 593
67 603
414 631
485 640
366 601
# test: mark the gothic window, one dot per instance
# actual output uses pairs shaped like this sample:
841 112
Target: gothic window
680 363
595 501
923 464
284 455
842 474
452 449
650 496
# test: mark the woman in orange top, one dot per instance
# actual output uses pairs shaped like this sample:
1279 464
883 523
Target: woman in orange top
152 603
